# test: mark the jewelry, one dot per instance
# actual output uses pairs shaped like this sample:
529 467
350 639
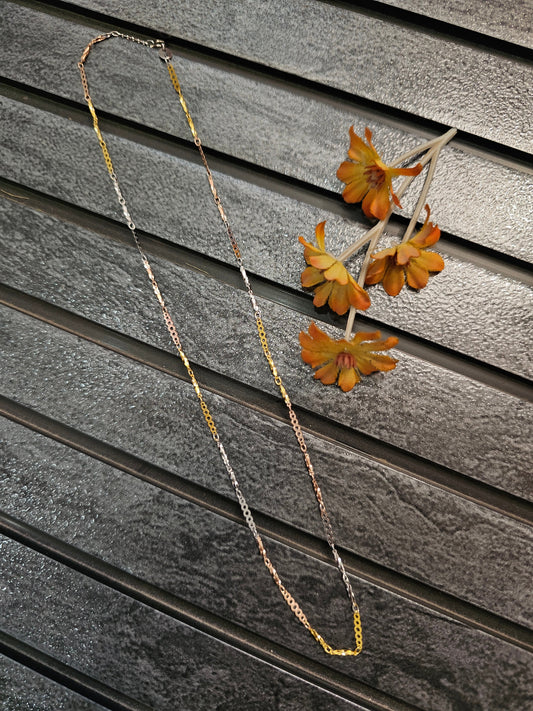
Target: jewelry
166 56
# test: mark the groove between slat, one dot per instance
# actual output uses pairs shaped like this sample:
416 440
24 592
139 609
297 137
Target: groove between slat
416 20
202 620
429 472
67 676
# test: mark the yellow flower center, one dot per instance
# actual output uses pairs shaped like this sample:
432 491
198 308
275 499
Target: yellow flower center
345 360
375 175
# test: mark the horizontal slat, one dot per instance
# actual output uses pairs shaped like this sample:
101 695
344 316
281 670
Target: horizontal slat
135 649
25 690
440 78
180 210
512 22
137 414
299 133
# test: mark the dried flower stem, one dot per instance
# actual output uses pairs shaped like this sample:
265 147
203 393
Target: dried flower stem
361 281
417 150
372 236
432 156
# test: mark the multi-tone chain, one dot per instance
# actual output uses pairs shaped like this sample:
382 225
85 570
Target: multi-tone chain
166 56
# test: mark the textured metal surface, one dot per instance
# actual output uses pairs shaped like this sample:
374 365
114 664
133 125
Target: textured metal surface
446 611
137 650
379 512
512 22
267 225
300 134
22 689
429 75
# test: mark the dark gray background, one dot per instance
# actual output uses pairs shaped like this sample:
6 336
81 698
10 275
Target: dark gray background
128 580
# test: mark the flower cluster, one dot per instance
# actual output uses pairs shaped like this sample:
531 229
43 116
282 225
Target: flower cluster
367 177
329 278
345 361
407 261
368 180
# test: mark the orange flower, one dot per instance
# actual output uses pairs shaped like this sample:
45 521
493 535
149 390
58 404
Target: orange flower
329 278
345 360
409 259
369 178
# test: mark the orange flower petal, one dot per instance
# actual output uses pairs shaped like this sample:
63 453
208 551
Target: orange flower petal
358 150
432 261
315 358
319 344
361 336
337 272
349 172
415 170
322 260
327 374
389 252
320 235
376 271
405 252
309 250
376 202
417 274
368 136
338 299
428 235
354 192
347 379
311 277
395 198
322 293
394 279
357 296
379 345
375 363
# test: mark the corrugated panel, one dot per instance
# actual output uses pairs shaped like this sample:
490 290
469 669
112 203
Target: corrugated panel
131 580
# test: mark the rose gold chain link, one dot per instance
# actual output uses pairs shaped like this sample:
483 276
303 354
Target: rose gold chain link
289 599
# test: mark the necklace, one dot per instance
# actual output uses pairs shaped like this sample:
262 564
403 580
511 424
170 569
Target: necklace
166 56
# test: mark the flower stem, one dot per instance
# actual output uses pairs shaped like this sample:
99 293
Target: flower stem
424 147
361 279
352 249
432 156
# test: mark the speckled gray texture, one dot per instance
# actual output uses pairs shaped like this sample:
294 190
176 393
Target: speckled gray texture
432 76
22 689
137 650
378 513
65 265
151 657
512 22
304 135
409 407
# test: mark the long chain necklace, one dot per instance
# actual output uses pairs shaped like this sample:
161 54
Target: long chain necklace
166 56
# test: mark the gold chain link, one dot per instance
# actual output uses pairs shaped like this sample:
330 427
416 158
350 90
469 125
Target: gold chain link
289 599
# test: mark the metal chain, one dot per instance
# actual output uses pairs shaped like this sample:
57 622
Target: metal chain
166 56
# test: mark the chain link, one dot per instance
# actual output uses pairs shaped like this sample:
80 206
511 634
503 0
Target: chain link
166 55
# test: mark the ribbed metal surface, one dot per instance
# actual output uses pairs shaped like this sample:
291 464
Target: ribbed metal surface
129 581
